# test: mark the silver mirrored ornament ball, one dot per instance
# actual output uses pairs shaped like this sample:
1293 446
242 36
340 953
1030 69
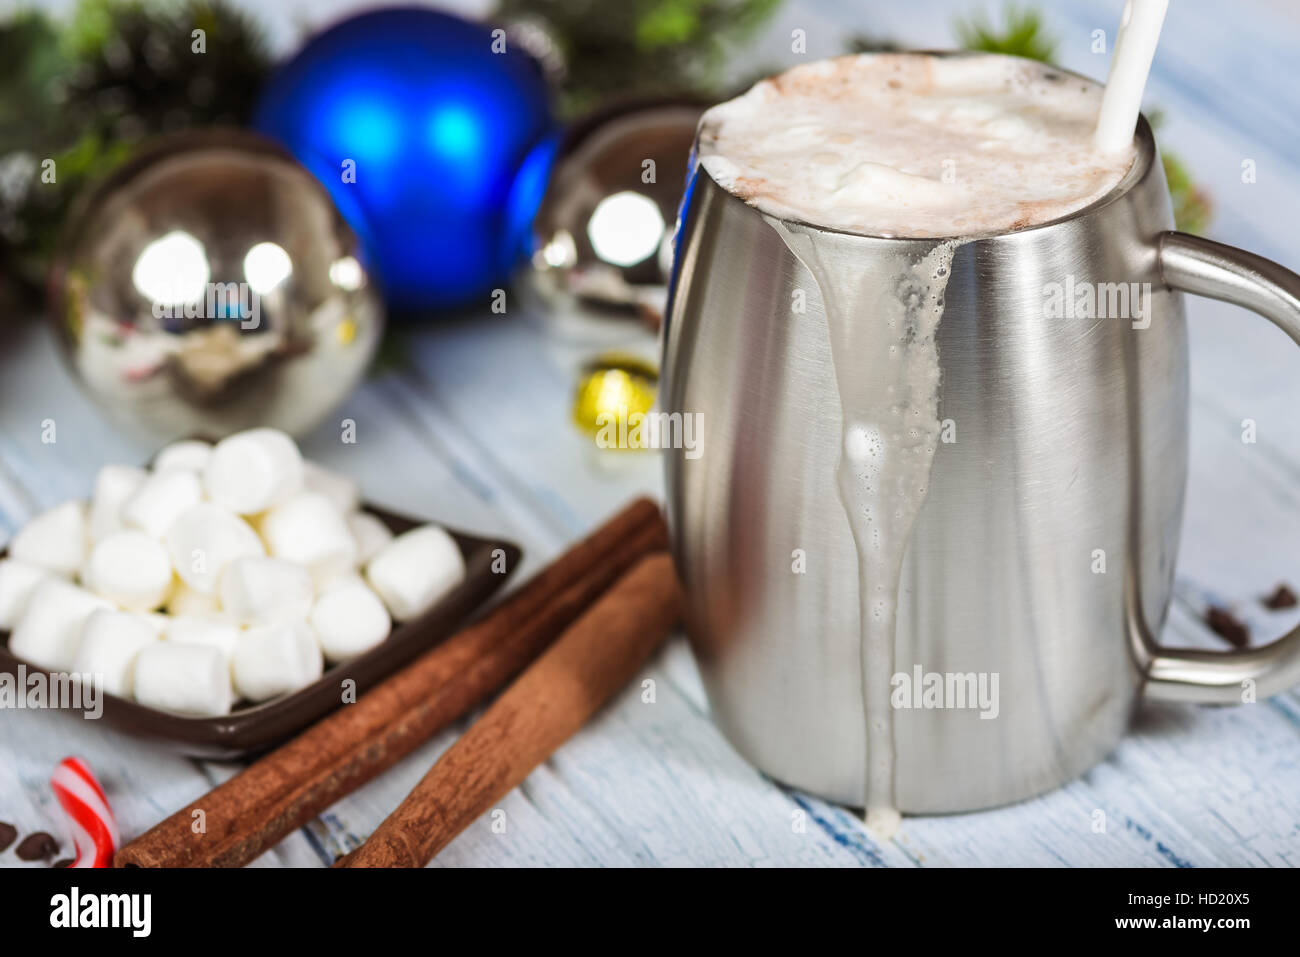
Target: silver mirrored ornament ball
605 229
210 285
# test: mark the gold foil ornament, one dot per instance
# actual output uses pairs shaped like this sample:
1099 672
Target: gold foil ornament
615 392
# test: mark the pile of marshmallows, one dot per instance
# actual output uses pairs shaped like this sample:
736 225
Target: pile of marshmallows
227 571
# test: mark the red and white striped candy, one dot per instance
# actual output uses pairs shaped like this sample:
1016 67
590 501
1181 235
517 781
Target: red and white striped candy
94 831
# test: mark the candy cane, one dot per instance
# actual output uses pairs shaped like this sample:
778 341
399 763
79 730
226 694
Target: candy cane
94 831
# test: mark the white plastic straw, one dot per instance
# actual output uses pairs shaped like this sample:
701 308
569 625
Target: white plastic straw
1135 47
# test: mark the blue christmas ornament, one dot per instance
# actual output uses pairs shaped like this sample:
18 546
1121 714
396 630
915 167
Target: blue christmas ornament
434 137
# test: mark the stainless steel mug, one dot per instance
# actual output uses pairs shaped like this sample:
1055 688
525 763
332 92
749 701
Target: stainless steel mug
1070 456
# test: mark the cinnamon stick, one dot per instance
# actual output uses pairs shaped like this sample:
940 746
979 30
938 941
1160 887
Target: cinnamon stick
550 701
280 792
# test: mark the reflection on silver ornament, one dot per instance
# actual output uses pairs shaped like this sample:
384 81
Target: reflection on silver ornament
604 232
210 285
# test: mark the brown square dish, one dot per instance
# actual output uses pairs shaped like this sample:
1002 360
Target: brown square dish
253 728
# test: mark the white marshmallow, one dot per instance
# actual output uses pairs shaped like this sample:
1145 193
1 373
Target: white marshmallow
160 500
252 471
340 489
110 642
349 619
17 582
307 529
188 678
130 569
415 569
272 660
55 540
113 486
266 591
190 454
193 630
204 540
371 535
184 600
48 634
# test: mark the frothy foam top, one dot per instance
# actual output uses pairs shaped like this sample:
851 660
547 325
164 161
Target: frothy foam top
914 145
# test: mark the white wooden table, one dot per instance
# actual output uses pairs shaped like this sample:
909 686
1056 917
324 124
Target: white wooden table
477 434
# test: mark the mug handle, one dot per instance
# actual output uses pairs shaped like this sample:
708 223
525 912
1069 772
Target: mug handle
1206 268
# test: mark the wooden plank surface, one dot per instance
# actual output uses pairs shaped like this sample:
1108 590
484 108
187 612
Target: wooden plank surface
475 433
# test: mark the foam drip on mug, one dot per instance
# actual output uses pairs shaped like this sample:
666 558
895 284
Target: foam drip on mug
887 373
913 145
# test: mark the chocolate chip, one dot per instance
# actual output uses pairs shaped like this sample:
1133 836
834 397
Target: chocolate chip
1227 626
66 862
37 847
1282 597
8 834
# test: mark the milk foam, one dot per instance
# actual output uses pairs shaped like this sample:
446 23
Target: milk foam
913 145
882 318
